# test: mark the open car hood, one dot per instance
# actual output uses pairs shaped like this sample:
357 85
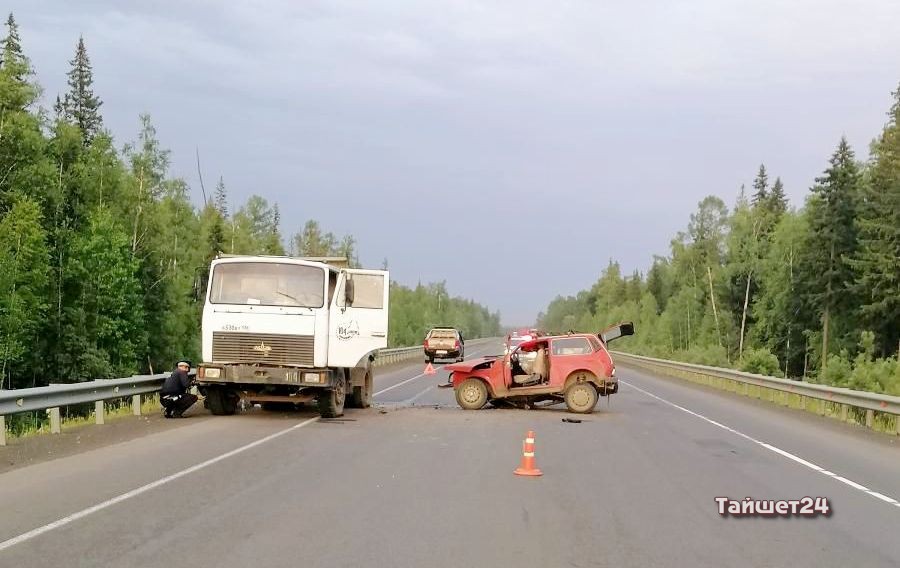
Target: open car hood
468 366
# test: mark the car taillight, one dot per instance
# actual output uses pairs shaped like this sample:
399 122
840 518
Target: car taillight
457 345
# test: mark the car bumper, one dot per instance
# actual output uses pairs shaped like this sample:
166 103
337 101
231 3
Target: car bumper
448 354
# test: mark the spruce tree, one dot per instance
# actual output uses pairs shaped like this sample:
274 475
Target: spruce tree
17 92
877 263
761 187
777 201
831 243
220 198
81 105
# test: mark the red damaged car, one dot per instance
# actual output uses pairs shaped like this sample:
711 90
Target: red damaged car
575 368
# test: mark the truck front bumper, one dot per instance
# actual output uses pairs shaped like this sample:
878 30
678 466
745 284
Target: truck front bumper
238 373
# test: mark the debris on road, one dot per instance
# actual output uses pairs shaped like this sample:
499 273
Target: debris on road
572 420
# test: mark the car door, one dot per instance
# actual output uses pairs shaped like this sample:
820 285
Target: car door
614 332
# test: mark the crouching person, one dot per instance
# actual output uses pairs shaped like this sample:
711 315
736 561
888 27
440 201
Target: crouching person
174 395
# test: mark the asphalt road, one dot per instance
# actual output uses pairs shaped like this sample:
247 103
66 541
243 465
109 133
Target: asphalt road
416 481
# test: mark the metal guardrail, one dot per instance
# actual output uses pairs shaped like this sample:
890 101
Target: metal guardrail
53 397
879 412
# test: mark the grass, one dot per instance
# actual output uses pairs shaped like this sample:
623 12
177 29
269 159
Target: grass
40 420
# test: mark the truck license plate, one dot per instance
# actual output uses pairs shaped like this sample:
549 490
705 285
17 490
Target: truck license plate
292 376
442 351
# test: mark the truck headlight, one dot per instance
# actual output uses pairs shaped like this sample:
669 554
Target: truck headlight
312 378
212 373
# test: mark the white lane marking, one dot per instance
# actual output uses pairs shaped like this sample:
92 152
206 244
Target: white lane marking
853 484
400 384
143 489
412 400
772 448
883 497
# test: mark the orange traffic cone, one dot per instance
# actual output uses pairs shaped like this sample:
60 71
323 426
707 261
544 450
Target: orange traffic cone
429 369
527 467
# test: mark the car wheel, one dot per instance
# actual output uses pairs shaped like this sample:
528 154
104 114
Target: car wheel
581 398
472 394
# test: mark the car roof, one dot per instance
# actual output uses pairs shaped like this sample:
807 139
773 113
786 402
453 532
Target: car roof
544 338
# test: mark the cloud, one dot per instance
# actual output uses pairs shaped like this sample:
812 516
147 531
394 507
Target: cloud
584 130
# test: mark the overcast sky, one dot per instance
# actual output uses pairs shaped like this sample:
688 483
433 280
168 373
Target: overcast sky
509 148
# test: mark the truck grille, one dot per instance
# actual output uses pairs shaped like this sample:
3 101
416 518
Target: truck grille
270 348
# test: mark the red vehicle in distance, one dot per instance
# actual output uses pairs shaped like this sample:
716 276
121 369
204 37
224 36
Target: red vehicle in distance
575 368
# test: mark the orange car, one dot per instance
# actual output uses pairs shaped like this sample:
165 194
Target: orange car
574 368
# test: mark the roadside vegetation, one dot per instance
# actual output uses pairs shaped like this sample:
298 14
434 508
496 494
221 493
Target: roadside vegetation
812 292
103 254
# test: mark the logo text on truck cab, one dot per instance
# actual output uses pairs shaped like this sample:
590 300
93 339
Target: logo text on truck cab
348 330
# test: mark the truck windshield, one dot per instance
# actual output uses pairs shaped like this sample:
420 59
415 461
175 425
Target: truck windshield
268 284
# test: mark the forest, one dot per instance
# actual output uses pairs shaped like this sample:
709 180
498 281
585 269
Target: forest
104 256
810 292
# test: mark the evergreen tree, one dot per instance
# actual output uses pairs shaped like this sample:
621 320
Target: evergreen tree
761 187
877 262
80 105
777 201
220 198
832 241
17 69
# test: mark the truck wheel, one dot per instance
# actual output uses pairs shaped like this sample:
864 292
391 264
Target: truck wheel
222 402
362 396
581 398
472 394
331 401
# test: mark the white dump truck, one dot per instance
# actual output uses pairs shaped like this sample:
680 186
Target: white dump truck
281 331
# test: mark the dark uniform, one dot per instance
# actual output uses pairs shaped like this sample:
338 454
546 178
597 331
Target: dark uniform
174 395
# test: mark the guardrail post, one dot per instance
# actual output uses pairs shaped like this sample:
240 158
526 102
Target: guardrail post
54 419
870 418
2 430
98 412
136 405
844 413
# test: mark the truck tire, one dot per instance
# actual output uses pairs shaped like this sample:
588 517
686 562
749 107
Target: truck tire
472 394
581 398
222 402
362 396
331 400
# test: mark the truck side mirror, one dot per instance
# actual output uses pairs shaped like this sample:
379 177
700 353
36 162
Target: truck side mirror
349 292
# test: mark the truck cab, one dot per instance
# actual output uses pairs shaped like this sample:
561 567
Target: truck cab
291 330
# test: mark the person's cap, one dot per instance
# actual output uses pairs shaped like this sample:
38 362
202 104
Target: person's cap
184 362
